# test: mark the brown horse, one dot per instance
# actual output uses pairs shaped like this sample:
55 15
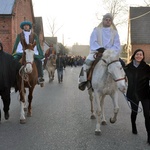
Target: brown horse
27 78
51 66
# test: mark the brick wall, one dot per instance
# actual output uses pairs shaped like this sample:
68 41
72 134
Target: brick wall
145 48
5 33
10 26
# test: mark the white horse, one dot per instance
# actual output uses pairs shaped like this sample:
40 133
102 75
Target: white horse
108 77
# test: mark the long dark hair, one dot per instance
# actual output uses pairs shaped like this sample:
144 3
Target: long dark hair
138 50
1 46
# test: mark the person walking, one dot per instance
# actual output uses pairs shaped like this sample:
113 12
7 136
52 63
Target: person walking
138 74
9 68
29 37
104 36
60 65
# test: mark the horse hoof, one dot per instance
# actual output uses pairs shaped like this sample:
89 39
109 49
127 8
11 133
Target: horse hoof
92 117
97 132
42 84
104 123
22 121
25 109
112 121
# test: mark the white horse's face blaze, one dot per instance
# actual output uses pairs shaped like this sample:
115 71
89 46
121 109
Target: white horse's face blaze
29 60
118 74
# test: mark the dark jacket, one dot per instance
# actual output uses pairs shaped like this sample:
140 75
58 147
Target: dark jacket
35 37
138 81
60 63
8 70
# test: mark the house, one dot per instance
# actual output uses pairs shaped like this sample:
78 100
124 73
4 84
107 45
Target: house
51 42
12 13
39 30
82 50
139 31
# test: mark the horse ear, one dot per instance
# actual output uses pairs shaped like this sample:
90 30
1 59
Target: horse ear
34 43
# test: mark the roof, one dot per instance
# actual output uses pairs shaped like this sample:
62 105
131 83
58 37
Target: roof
51 40
140 25
6 7
38 25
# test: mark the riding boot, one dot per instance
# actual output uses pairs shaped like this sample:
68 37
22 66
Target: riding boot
83 77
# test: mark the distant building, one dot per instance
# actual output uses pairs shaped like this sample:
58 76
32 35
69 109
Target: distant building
51 42
39 30
12 13
82 50
139 31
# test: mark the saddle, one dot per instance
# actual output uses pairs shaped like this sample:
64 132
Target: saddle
82 85
97 58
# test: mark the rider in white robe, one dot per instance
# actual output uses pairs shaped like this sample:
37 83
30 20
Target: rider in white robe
103 37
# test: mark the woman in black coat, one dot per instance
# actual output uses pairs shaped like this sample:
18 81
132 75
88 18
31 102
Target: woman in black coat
8 70
138 74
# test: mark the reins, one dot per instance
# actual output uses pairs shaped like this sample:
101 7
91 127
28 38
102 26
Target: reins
127 99
124 78
24 76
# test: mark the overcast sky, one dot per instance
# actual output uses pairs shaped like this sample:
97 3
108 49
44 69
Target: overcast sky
74 19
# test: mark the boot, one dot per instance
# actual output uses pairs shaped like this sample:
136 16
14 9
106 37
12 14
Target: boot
148 138
6 115
134 129
82 86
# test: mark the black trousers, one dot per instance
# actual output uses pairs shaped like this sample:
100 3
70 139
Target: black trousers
5 95
146 112
39 66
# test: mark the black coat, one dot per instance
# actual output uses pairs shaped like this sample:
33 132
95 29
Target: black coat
60 63
9 68
138 81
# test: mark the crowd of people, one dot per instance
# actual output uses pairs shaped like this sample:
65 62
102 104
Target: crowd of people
104 36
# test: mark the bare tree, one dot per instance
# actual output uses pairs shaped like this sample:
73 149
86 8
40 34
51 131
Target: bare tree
53 27
118 8
147 2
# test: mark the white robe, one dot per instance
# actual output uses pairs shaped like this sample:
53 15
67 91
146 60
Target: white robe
20 48
107 38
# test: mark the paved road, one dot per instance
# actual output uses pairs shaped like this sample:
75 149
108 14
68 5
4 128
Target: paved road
61 121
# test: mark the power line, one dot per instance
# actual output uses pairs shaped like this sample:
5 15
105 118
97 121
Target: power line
140 16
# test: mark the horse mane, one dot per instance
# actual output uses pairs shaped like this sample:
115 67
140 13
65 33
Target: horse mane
110 55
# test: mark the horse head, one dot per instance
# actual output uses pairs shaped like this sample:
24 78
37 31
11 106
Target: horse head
115 69
28 56
52 59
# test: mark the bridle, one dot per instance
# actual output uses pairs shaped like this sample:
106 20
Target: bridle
116 80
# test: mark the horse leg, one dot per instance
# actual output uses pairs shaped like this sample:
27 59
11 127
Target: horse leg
116 107
22 104
98 112
92 105
30 97
25 103
102 107
53 74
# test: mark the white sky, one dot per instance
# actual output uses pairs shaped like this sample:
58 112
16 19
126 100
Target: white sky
74 19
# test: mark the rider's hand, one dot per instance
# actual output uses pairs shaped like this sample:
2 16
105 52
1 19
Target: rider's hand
102 49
